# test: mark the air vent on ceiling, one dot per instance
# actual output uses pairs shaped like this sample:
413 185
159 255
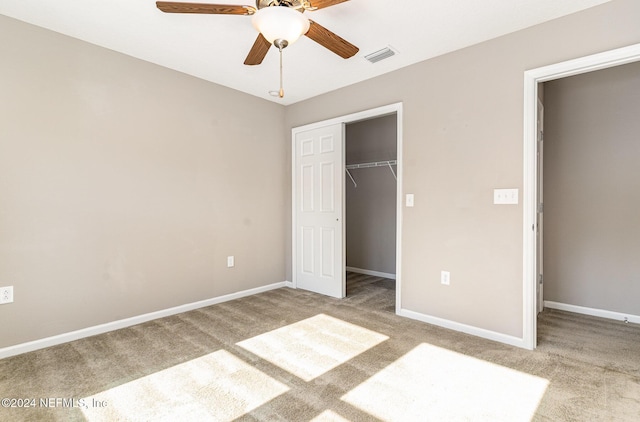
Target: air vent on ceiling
376 56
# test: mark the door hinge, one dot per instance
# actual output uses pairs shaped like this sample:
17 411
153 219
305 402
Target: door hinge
540 207
540 279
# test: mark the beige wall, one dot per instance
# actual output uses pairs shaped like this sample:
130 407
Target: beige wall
371 206
463 137
592 190
124 186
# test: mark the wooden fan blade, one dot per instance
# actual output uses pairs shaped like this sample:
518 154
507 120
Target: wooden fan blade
216 9
321 4
258 51
331 41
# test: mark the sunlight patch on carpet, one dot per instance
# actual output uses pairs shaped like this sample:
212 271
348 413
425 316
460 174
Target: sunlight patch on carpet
218 386
314 346
329 416
431 383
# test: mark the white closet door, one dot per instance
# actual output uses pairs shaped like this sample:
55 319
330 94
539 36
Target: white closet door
319 183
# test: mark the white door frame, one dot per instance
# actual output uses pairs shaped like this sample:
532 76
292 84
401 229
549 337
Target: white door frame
351 118
532 77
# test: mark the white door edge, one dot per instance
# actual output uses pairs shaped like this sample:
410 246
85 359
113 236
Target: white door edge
532 77
540 202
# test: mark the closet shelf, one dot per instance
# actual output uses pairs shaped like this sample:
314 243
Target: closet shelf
371 164
387 163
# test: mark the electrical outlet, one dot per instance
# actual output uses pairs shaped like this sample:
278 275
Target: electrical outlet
231 262
445 277
6 294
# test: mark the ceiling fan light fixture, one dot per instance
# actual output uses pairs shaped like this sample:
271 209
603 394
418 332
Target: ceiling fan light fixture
280 23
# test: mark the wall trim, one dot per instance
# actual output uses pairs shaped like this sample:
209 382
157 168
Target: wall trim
371 272
602 313
464 328
128 322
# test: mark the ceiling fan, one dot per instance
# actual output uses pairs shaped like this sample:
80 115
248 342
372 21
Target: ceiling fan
279 23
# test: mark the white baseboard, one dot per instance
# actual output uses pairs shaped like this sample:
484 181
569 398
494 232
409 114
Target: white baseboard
467 329
371 272
127 322
289 284
619 316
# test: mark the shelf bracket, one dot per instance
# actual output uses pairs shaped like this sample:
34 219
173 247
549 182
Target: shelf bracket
355 185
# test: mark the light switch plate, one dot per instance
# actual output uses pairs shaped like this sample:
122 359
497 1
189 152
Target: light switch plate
505 196
409 201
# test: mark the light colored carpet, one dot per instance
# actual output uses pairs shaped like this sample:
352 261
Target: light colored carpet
291 355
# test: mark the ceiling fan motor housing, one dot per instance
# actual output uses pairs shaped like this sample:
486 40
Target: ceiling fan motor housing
295 4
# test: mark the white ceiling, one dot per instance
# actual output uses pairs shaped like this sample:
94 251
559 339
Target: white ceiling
213 47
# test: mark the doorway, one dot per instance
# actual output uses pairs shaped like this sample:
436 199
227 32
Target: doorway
531 254
370 199
592 244
301 224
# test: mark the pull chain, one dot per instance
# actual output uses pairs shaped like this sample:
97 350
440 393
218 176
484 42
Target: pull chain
281 44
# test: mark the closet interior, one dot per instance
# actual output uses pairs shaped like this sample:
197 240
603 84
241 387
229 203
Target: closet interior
370 197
